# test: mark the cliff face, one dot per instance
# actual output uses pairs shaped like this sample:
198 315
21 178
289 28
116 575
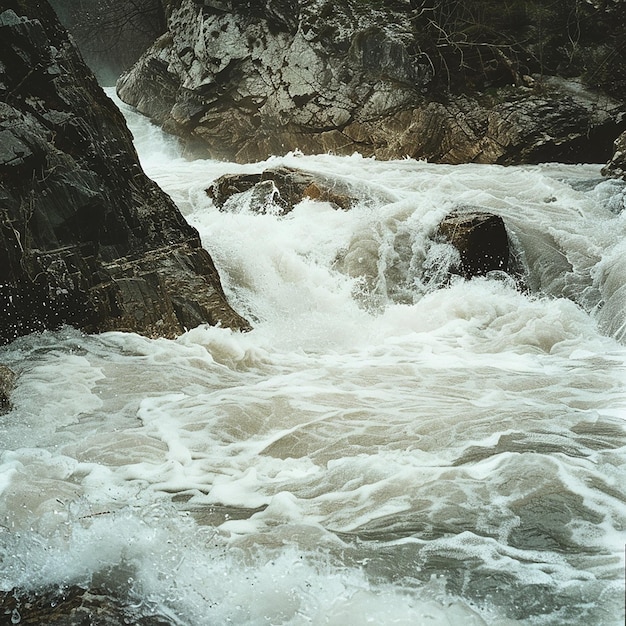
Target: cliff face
392 78
85 237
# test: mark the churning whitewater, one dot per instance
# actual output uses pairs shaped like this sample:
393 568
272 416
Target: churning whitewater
386 446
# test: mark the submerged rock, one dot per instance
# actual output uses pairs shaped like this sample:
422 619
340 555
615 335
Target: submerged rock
7 382
85 237
481 239
279 189
71 606
242 81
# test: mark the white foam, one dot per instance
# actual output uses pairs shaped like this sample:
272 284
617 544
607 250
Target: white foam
369 432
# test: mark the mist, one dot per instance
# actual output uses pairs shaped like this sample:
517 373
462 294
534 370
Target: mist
111 34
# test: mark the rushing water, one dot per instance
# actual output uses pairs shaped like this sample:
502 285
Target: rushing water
381 448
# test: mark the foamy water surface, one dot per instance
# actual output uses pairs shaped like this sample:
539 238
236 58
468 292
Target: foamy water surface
382 448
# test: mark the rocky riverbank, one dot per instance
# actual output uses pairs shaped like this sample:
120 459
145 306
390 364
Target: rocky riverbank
85 237
390 79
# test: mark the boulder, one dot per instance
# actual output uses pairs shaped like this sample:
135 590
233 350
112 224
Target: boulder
481 240
279 189
86 238
242 81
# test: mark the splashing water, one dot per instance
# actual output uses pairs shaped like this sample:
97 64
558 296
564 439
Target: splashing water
384 447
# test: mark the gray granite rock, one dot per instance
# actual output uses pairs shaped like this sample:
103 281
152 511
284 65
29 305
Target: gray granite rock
242 81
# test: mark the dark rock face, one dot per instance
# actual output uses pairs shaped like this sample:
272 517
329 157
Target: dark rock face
481 240
242 81
85 237
279 189
72 606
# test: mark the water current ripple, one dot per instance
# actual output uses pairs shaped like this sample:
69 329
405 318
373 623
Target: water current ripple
386 447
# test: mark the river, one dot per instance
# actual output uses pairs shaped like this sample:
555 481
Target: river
384 447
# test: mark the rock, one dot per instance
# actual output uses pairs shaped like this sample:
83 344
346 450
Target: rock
86 238
242 81
481 239
616 167
294 185
279 189
7 382
229 185
70 606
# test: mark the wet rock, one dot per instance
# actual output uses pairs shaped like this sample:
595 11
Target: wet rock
86 238
481 239
616 167
7 382
72 606
294 185
243 82
279 189
229 185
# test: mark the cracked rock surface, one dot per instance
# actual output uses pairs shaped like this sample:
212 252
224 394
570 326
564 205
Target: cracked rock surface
86 238
245 80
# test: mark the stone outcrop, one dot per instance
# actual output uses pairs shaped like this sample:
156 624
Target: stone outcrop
278 189
85 237
242 81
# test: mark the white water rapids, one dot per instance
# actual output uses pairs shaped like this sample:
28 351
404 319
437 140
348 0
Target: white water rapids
380 450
